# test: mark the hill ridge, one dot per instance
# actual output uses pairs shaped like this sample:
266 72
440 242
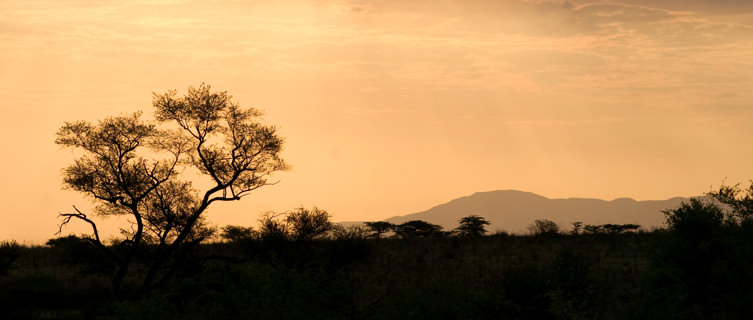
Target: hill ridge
513 210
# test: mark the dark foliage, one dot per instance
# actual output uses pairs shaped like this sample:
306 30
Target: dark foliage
9 252
609 228
577 227
132 168
696 268
417 229
614 276
378 228
704 264
306 225
299 225
544 227
237 233
472 226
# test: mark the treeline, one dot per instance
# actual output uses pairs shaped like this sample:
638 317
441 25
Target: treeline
299 265
303 224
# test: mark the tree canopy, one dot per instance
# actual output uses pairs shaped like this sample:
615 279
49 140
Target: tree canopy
417 228
136 168
472 225
378 228
544 227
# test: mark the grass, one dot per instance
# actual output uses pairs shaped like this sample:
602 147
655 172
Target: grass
494 277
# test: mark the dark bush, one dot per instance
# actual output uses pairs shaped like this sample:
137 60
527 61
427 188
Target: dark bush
9 252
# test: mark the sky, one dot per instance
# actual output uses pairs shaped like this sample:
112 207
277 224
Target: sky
393 107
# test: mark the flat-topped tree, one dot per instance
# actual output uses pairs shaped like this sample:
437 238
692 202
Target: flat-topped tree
378 228
133 167
416 229
472 226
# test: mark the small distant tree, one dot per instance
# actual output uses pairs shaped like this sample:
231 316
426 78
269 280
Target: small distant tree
619 228
593 229
544 227
378 228
306 225
272 227
577 227
630 227
472 225
352 232
237 233
417 228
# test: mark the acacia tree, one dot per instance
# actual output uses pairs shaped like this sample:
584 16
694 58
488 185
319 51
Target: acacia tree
472 225
137 168
235 233
377 228
417 228
544 227
306 225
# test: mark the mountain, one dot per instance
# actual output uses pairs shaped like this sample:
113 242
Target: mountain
513 211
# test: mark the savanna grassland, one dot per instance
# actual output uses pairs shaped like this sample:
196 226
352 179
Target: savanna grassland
699 269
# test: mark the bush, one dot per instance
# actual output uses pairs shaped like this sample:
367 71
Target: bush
237 233
544 227
695 221
306 225
9 252
354 232
272 228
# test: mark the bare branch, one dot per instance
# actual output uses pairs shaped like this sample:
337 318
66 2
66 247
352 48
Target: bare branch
68 216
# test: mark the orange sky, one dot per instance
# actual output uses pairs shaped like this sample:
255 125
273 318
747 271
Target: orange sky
391 107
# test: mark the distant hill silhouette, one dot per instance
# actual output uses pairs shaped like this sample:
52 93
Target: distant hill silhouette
513 211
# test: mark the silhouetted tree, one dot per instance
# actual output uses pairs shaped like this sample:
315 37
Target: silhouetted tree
378 228
353 232
417 228
131 167
695 220
544 227
237 233
739 201
593 229
577 227
472 225
619 228
306 225
272 227
699 255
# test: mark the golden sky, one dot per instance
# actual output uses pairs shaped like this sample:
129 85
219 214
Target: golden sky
392 107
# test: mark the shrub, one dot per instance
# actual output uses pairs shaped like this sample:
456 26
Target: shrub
237 233
695 220
354 232
9 252
544 227
307 225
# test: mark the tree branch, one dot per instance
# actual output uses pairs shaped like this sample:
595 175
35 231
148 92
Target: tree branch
96 241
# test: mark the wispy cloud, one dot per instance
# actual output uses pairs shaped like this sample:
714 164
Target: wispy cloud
543 123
